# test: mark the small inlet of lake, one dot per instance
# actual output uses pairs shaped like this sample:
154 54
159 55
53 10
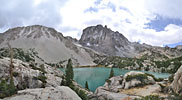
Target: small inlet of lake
96 76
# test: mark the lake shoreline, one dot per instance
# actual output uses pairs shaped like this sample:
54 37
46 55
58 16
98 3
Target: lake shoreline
96 76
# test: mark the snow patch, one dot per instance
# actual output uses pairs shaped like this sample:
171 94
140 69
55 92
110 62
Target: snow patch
78 45
88 44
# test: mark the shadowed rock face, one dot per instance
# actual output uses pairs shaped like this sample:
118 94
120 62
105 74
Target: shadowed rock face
177 83
103 39
100 35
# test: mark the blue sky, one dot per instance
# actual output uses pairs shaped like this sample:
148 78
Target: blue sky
155 22
173 45
159 23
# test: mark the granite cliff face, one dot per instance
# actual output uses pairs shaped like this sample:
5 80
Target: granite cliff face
177 83
103 39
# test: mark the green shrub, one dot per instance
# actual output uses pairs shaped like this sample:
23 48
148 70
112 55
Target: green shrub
69 73
33 66
6 89
79 92
15 74
140 77
111 73
156 79
86 85
108 81
150 97
171 78
139 62
147 68
42 78
177 97
42 69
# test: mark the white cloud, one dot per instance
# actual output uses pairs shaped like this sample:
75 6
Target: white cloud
171 34
129 17
15 13
166 8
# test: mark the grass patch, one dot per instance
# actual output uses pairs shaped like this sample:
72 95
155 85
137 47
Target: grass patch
42 68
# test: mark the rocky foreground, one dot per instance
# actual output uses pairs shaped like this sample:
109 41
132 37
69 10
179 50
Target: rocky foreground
118 87
27 75
136 85
33 82
48 93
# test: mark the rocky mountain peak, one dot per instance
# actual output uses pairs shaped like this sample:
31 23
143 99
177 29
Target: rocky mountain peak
103 39
50 45
34 31
99 35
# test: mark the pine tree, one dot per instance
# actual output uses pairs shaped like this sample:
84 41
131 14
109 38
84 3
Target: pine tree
69 73
111 73
86 85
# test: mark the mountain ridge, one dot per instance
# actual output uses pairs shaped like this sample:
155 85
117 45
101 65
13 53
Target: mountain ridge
51 45
96 42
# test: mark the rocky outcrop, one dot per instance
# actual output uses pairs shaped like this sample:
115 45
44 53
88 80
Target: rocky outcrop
114 84
104 94
177 82
129 80
37 81
133 79
114 87
48 93
29 75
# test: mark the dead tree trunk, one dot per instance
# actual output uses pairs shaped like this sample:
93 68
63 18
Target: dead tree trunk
11 62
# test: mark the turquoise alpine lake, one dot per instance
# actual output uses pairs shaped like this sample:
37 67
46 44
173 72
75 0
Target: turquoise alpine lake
96 76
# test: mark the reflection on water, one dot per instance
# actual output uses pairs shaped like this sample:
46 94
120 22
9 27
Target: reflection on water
96 76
